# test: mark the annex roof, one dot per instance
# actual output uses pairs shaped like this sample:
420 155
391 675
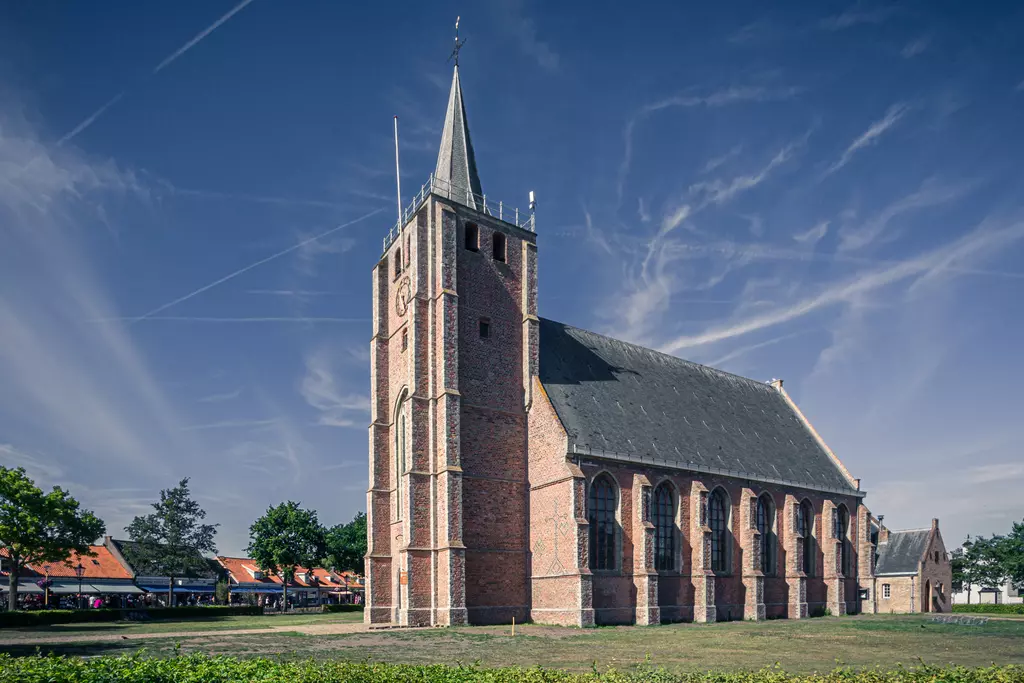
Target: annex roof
623 401
902 553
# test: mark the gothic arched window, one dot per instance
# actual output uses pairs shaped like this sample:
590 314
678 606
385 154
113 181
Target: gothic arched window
718 519
805 527
601 505
664 528
766 527
843 534
400 451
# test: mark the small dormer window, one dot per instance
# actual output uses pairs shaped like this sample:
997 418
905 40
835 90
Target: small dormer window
498 247
472 237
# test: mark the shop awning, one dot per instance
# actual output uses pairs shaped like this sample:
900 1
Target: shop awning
258 589
117 588
70 587
24 587
204 588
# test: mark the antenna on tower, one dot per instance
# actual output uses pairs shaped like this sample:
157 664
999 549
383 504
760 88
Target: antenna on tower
458 45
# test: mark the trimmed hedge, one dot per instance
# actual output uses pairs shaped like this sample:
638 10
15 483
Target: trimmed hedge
343 608
133 668
990 609
67 616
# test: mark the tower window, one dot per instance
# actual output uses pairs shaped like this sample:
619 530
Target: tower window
398 261
485 328
498 245
405 339
472 237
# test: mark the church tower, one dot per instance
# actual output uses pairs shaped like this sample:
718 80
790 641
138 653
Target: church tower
454 346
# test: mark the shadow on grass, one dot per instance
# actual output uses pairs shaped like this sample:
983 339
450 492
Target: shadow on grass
71 649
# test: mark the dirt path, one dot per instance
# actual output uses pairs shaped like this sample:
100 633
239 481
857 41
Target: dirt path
305 629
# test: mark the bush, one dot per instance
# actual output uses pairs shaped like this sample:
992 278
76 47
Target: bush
343 608
130 669
66 616
990 609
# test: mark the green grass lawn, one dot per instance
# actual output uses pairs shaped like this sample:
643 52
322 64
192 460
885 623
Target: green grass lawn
799 646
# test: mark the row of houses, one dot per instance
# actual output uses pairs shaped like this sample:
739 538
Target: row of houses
113 572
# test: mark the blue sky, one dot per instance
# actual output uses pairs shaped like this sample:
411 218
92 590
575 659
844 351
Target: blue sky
830 193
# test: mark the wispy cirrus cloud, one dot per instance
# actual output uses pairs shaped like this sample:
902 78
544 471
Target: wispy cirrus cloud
319 387
716 98
915 47
523 27
857 16
222 397
932 192
721 191
984 240
812 235
869 137
1004 471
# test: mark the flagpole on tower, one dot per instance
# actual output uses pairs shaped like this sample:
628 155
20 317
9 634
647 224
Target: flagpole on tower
398 177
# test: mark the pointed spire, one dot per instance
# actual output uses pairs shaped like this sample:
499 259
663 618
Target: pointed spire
456 175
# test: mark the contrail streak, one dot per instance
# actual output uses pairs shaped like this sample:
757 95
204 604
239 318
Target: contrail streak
88 122
249 267
177 53
202 34
202 319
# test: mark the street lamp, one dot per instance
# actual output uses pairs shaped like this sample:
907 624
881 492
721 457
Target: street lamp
79 571
46 586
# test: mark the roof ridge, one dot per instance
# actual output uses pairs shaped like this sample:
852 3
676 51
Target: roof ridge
756 382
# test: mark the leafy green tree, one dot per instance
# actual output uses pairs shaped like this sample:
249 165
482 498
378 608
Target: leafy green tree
956 563
346 545
286 537
983 563
37 527
170 540
1011 554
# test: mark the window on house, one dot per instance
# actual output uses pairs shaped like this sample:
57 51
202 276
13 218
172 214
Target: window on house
805 527
885 591
485 328
601 515
766 527
664 528
472 237
498 247
718 520
405 339
398 261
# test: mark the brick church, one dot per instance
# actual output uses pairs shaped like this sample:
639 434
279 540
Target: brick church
524 468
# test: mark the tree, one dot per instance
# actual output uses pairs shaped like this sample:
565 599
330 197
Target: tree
284 538
346 545
170 541
956 563
982 565
1011 555
38 527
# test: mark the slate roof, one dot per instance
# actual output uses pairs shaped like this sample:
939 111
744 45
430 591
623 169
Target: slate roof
456 163
627 402
902 552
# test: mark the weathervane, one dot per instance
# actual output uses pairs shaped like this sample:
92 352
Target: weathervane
458 45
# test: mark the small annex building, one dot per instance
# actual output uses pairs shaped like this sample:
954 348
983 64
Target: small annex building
912 572
522 468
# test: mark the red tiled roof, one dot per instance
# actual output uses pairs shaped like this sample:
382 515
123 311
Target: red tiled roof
239 569
103 565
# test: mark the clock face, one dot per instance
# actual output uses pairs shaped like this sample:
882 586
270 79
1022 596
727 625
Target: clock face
402 297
